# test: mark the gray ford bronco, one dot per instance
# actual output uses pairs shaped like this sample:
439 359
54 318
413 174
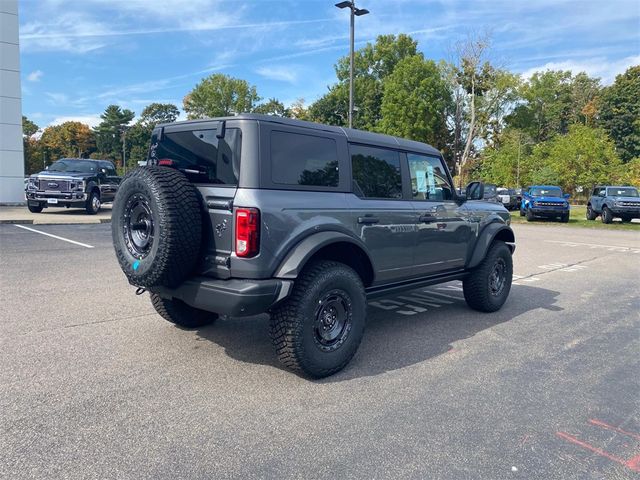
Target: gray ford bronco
251 214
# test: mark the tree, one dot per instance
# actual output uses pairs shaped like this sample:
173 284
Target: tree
620 113
156 113
69 139
415 101
109 132
506 164
220 95
298 110
28 127
273 107
372 64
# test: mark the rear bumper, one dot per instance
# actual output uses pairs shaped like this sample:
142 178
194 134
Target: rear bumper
232 297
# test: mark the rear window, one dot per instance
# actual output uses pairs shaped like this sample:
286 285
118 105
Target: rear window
298 159
200 155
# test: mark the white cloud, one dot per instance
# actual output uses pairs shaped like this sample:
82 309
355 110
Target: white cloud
600 67
91 120
35 76
283 73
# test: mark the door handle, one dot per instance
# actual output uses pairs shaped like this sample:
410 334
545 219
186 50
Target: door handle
367 220
427 218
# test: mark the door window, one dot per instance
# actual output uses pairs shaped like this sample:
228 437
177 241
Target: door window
376 172
429 180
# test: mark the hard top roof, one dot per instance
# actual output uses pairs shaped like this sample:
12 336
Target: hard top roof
353 135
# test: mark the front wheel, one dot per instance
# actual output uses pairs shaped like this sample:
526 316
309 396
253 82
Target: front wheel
34 208
522 213
529 215
318 329
607 215
564 218
591 215
93 203
487 287
178 312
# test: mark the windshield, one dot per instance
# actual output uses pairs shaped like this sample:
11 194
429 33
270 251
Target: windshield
489 190
74 166
546 192
622 192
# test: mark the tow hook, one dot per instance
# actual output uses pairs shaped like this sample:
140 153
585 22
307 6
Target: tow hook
140 290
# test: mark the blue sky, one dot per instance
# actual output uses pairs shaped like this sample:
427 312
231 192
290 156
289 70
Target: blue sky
78 56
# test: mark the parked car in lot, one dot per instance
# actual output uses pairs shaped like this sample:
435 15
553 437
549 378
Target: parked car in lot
614 202
251 214
545 201
73 183
508 198
491 193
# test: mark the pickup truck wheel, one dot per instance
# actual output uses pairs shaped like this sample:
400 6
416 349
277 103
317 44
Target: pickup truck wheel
156 225
591 215
93 203
529 215
487 286
34 209
318 329
606 215
178 312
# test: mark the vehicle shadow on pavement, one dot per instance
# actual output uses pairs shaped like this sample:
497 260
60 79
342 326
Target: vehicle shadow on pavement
391 341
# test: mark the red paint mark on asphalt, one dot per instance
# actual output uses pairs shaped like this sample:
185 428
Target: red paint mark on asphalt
632 464
602 424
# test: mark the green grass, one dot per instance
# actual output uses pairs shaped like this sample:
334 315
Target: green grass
578 219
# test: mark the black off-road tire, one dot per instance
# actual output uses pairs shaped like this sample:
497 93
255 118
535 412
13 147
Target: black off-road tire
34 209
606 215
178 312
529 215
564 218
293 323
173 226
477 287
591 215
626 219
92 206
522 212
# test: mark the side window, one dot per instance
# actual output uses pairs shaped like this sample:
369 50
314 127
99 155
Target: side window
298 159
429 179
376 172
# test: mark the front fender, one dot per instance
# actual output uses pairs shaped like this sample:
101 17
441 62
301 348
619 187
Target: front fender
296 259
486 237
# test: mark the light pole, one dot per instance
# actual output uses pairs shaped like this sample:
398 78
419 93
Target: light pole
355 12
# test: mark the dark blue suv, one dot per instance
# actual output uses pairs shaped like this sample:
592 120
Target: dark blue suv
545 201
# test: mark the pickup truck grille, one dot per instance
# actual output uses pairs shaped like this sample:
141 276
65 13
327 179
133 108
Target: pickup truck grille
550 204
54 185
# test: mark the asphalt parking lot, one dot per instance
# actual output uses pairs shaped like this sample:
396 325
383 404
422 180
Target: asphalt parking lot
96 385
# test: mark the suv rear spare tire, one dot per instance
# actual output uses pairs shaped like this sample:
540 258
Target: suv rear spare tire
156 227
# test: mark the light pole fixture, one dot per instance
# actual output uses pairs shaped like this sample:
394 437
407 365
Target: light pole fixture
355 12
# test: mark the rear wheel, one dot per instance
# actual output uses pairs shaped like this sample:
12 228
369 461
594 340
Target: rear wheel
591 215
607 215
93 203
178 312
487 286
318 329
34 208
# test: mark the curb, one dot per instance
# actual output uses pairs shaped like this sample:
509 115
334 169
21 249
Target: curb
21 221
16 222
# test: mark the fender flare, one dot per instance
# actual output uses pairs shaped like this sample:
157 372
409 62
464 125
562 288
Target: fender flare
486 237
296 259
90 186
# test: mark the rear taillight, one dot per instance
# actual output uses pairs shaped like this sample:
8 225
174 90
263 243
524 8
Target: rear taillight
247 232
165 162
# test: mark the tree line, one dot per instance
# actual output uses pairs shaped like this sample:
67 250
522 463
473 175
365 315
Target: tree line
555 127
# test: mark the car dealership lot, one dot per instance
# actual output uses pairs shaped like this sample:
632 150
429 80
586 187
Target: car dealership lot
95 384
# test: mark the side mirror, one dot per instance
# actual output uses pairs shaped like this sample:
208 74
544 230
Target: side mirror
47 167
567 196
475 191
103 171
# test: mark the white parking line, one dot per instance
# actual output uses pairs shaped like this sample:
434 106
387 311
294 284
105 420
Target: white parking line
55 236
610 248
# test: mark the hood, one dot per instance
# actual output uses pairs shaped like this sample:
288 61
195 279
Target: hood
49 174
626 199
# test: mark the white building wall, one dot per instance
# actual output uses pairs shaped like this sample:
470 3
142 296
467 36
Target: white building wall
11 154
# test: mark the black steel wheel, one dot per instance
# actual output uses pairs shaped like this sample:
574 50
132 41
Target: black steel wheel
318 328
138 227
487 286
